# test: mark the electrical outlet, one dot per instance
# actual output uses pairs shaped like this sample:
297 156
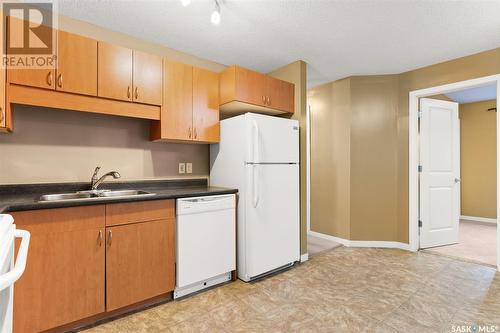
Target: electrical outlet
182 167
189 167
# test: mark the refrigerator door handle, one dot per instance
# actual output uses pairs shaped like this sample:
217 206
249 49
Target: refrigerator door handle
255 176
256 149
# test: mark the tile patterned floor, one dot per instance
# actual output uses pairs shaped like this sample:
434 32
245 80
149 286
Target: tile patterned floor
342 290
477 243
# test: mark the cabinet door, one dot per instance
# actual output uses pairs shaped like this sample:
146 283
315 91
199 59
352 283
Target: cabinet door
41 78
114 72
250 87
3 114
280 95
147 78
140 262
205 105
76 64
177 111
64 277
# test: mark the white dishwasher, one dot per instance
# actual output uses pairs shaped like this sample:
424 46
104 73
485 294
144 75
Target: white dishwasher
206 242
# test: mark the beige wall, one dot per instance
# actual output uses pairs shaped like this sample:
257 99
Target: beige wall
296 73
478 159
373 179
379 147
330 158
473 66
61 146
65 146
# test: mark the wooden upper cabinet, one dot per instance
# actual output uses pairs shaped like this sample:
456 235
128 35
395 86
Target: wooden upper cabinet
280 94
205 106
3 104
64 279
177 109
245 90
76 64
114 72
147 78
41 78
140 262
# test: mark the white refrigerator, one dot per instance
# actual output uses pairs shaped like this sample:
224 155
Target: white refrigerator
259 155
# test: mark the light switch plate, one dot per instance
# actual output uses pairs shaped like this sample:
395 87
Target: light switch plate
182 167
189 167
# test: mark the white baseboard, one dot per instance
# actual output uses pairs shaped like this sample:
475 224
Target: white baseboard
354 243
478 219
304 257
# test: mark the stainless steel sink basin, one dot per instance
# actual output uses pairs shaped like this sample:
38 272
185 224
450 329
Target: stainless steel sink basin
94 195
65 196
124 193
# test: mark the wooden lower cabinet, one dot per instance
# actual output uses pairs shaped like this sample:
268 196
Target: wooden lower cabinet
80 266
64 277
140 262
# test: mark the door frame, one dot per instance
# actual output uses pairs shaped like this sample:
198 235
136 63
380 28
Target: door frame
413 177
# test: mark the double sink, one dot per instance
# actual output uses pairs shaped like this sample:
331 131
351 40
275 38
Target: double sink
94 195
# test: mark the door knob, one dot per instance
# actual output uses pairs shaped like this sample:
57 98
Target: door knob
457 180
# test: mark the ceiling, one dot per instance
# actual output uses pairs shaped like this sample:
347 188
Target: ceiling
472 95
337 38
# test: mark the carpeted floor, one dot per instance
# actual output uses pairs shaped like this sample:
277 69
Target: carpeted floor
477 243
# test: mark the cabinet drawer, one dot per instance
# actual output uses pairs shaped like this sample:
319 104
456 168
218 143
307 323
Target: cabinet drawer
133 212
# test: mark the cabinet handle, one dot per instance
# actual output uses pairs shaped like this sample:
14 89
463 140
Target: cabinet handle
268 100
195 134
263 99
60 80
49 78
1 115
189 132
136 93
110 237
100 237
128 92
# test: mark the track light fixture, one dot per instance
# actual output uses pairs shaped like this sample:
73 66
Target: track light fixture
215 18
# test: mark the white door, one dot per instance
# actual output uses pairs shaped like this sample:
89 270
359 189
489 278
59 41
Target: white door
440 174
271 217
272 139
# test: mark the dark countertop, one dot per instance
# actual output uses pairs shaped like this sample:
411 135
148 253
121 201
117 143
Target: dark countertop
25 197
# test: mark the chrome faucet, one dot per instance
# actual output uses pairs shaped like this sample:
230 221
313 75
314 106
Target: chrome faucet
95 182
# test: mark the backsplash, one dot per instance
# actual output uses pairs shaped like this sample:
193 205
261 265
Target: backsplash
65 146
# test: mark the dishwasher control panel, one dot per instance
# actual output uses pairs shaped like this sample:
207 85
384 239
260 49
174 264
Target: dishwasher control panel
206 203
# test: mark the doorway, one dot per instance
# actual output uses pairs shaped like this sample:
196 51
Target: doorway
473 233
437 215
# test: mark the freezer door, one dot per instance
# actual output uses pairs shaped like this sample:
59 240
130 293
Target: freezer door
271 139
271 217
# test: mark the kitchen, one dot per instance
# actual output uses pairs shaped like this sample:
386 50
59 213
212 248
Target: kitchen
180 165
119 243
